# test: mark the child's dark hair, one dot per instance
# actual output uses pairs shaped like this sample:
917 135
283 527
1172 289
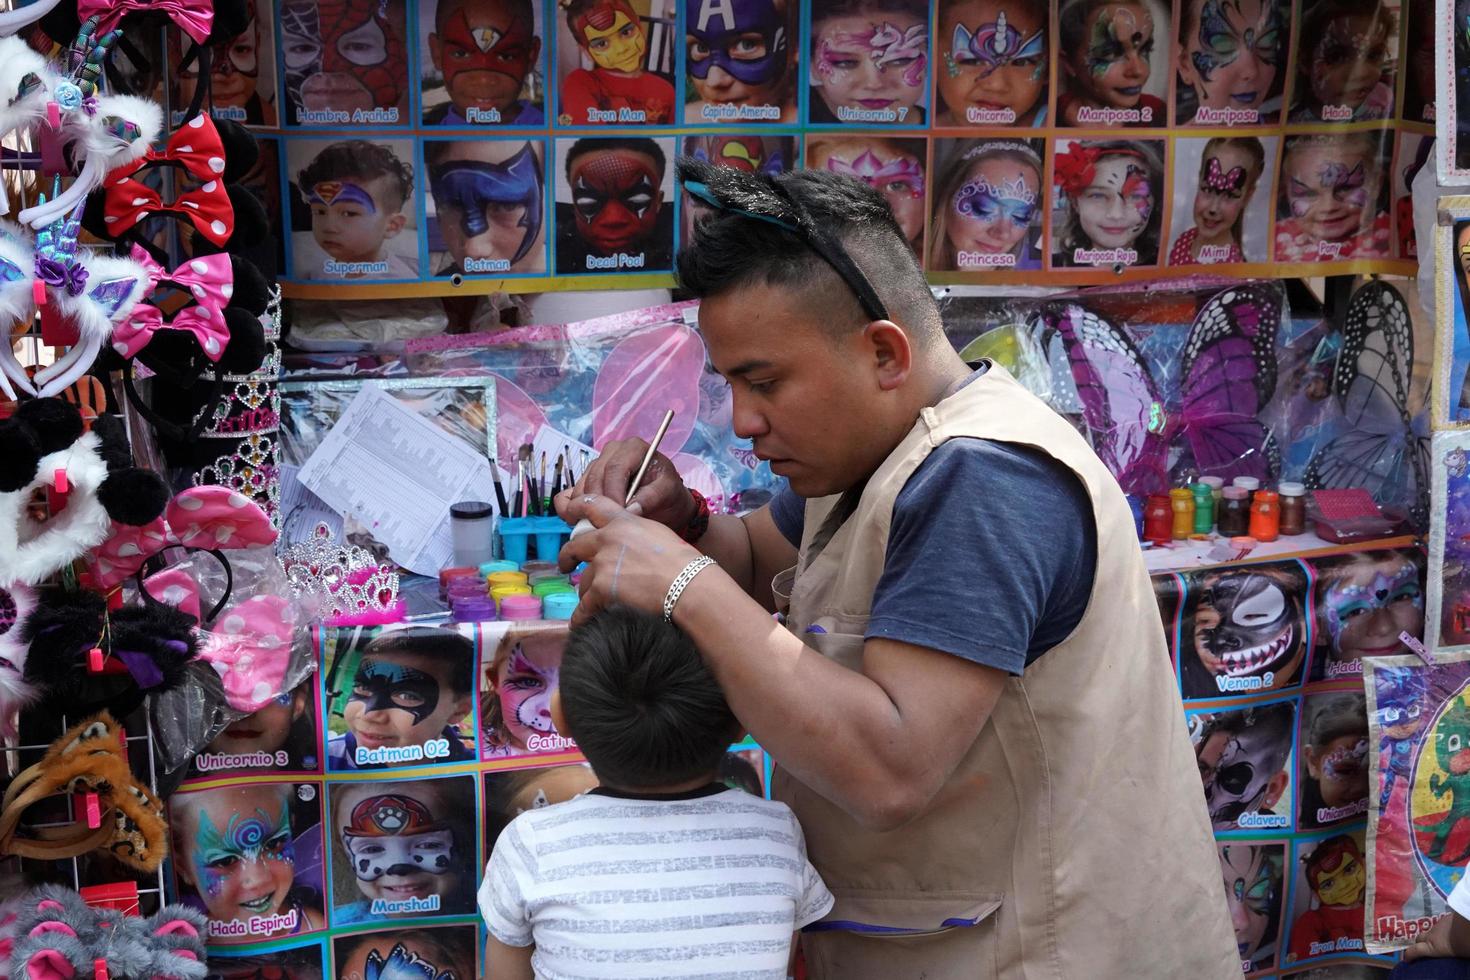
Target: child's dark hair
633 144
448 647
640 702
359 159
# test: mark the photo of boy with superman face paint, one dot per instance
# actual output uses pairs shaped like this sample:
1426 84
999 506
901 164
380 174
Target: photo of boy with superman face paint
481 63
869 62
1244 758
400 699
345 62
1231 60
250 857
613 210
1243 631
991 64
740 57
610 72
487 206
750 152
402 849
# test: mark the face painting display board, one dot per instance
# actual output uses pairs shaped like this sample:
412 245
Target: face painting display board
428 147
348 822
1270 658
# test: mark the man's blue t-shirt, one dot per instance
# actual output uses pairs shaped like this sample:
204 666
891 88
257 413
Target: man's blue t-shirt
990 557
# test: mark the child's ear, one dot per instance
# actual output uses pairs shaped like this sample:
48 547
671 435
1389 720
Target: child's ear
462 706
395 225
535 53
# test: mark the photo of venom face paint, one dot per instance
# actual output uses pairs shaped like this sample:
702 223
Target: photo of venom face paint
344 61
402 849
1231 60
518 673
488 206
399 697
420 953
250 857
869 62
611 213
741 60
1243 631
749 152
1244 758
1252 876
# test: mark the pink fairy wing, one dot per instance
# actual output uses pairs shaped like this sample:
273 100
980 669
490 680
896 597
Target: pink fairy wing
698 476
645 375
518 419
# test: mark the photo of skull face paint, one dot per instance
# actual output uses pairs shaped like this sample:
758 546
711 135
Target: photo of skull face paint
344 59
1243 631
401 850
488 205
740 57
250 853
1243 758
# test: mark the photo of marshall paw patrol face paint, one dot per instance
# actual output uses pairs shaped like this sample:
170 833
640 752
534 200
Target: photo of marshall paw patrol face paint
482 63
611 74
486 206
614 205
740 60
402 849
345 62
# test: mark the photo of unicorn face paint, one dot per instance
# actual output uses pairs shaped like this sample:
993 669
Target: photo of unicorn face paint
515 693
992 64
893 167
1110 68
1231 51
871 66
1330 187
995 209
739 52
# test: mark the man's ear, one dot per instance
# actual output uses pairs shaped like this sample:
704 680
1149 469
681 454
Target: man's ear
892 353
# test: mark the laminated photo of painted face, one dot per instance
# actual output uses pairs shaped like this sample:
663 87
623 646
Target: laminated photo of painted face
1248 632
1229 56
284 728
298 963
444 953
237 851
1330 199
1419 95
401 850
1366 602
1112 192
1105 62
509 794
1242 758
1342 68
489 204
616 211
1230 169
485 51
991 62
342 60
1116 206
1330 906
987 208
741 59
516 693
621 86
234 76
1334 758
869 61
892 167
1252 875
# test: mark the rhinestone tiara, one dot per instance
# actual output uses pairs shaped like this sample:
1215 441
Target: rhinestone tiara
345 579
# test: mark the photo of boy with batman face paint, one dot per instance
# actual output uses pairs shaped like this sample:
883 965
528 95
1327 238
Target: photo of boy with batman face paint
613 212
402 849
487 206
481 63
400 699
741 60
1244 758
1243 631
609 73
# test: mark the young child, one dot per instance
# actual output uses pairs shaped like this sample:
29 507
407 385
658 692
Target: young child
284 728
412 688
892 167
1340 69
1105 50
619 89
1113 193
1365 601
1335 756
234 76
988 208
236 849
1330 206
1229 170
992 63
515 698
489 205
1230 57
870 61
486 51
1337 881
357 191
406 846
653 723
741 60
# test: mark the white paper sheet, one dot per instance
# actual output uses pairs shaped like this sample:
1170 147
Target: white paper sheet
397 473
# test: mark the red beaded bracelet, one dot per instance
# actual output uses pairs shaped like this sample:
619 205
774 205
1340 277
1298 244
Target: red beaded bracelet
699 523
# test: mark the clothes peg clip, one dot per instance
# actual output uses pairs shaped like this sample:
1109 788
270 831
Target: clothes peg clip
94 660
119 895
53 115
59 480
38 292
99 970
92 806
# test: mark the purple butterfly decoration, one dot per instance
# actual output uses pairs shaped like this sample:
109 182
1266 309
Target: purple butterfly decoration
1228 373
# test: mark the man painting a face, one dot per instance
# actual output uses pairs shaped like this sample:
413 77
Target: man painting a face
616 218
344 61
488 202
619 88
485 50
740 55
1242 759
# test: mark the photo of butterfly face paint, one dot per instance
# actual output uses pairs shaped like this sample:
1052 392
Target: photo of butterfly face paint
1232 52
1112 65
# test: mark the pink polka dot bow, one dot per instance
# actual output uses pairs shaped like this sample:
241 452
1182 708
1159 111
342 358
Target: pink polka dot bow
208 518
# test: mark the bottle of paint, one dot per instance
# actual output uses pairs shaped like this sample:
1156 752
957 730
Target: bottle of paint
1182 504
472 526
1204 507
1234 516
1216 484
1293 509
1265 524
1247 483
1158 520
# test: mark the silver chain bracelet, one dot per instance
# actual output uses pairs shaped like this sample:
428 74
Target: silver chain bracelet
681 582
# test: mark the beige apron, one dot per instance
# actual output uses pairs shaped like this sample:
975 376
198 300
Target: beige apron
1072 840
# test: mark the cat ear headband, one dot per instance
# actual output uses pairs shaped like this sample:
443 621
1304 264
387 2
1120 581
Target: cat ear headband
89 757
17 602
59 937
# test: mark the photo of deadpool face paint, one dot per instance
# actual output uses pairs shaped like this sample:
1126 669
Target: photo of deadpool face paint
344 56
1244 631
610 210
